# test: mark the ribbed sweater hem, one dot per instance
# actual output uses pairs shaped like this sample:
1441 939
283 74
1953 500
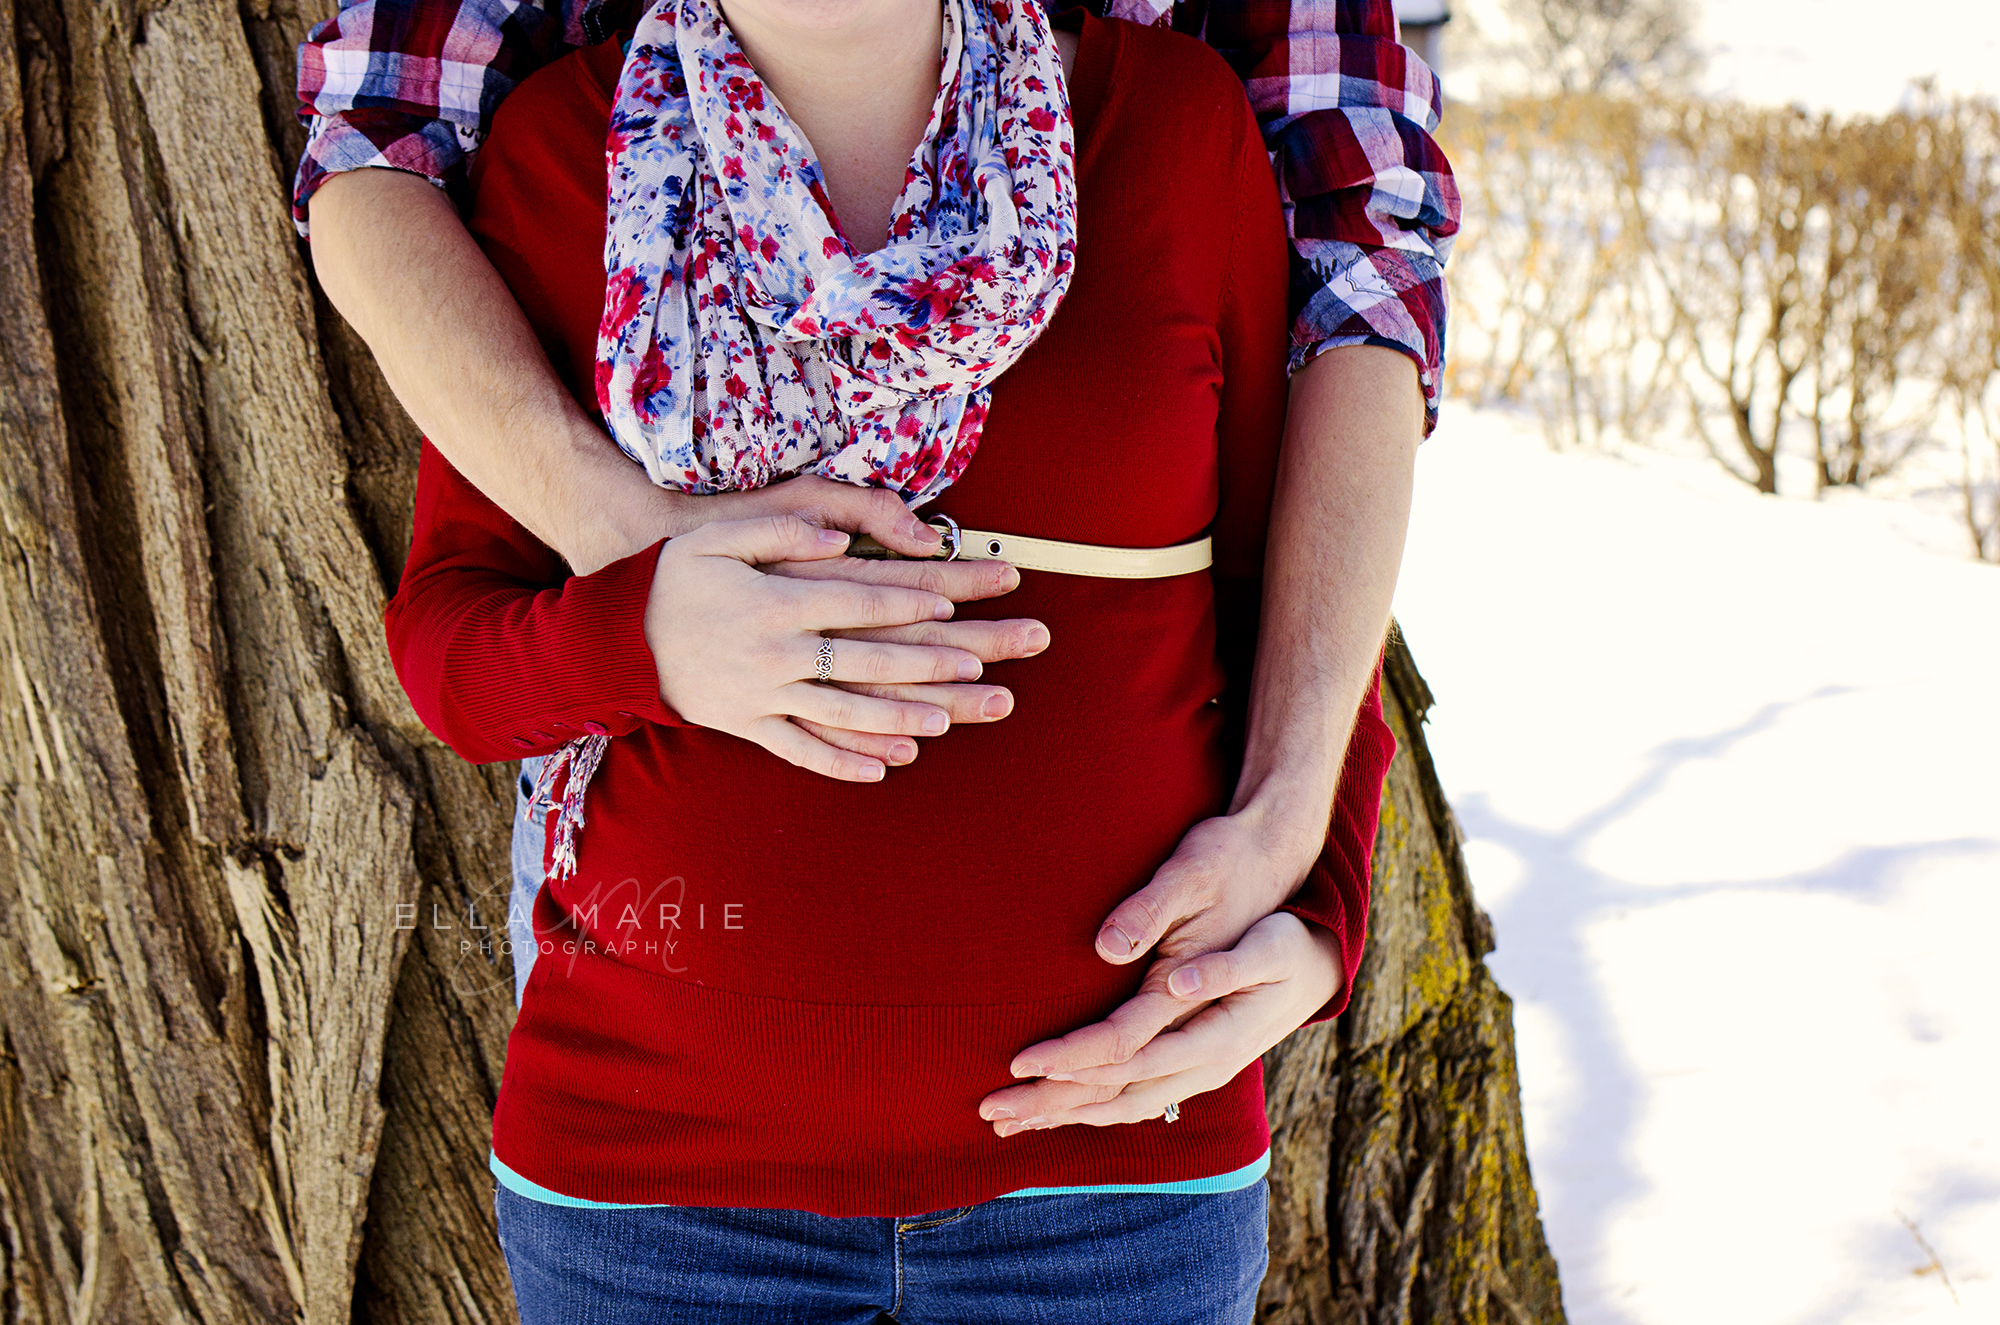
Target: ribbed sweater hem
708 1097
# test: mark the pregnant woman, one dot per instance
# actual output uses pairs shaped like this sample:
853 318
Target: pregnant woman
1031 281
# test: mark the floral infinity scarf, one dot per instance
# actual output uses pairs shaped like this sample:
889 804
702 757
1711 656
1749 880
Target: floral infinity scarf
745 341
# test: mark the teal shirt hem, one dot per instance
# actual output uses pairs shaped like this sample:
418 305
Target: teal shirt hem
1221 1182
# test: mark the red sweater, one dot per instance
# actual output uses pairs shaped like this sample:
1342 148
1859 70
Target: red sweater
766 988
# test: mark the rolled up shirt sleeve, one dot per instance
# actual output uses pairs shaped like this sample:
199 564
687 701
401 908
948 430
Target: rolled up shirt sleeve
1346 111
1371 208
413 84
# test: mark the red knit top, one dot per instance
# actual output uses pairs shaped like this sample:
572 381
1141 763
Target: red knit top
763 987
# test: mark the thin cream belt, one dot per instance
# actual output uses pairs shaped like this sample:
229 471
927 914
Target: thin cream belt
1123 563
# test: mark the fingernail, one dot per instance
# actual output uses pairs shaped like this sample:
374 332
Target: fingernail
1038 638
1002 1112
1036 1121
1028 1070
1058 1076
997 706
832 536
943 610
923 533
1115 941
903 752
968 669
935 723
1185 981
871 772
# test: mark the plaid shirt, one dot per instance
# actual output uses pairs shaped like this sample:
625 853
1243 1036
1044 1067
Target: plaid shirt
1347 114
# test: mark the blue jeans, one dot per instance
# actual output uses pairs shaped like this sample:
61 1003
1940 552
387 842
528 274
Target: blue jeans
527 859
1089 1259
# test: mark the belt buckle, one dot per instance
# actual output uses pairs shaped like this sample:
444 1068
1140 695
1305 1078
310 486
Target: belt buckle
952 539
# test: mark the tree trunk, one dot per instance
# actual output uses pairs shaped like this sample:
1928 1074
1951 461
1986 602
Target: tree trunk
247 1064
1399 1172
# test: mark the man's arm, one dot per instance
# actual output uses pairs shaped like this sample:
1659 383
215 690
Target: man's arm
1338 520
1371 208
399 265
1340 513
399 94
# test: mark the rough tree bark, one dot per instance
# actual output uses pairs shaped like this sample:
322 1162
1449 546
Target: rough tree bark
246 1069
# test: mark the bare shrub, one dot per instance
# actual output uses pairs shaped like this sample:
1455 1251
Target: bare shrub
1600 46
1784 277
1971 357
1723 205
1554 308
1884 271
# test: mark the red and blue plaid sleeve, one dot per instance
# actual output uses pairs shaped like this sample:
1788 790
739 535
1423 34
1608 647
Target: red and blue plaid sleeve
1348 115
412 84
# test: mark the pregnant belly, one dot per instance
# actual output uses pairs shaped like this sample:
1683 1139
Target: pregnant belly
979 874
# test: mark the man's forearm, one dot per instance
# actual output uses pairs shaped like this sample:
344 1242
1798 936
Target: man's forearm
397 262
1338 518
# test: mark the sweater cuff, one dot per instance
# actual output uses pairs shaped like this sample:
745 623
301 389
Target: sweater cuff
1336 890
1319 903
579 665
607 639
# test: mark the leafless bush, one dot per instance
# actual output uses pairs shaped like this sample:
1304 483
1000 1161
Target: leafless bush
1556 308
1775 273
1600 46
1723 205
1884 272
1971 376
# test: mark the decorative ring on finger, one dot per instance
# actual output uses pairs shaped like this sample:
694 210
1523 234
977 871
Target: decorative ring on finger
823 662
1173 1112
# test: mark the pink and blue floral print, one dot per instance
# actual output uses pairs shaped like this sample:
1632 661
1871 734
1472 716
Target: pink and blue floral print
1347 113
745 340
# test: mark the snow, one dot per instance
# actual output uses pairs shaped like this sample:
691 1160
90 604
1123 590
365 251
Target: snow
1730 770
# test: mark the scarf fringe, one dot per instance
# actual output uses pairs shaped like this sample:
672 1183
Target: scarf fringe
580 758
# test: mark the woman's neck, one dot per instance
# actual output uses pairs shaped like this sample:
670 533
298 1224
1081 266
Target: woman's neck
859 78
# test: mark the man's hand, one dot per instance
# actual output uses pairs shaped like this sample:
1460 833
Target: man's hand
1268 984
1228 873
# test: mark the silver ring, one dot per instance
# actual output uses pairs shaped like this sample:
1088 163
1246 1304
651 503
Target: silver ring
823 662
1173 1112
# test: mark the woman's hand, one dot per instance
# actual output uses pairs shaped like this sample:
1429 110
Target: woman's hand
1279 974
989 641
882 515
736 647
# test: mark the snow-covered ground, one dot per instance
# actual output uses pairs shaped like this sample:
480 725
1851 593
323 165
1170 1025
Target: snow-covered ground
1730 768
